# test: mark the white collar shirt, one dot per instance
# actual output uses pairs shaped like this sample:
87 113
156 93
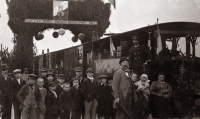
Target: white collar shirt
18 80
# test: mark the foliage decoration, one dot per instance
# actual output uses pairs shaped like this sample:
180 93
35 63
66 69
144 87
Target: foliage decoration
19 10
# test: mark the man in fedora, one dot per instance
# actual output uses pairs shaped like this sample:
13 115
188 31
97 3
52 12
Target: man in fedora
6 89
25 75
123 90
137 56
18 83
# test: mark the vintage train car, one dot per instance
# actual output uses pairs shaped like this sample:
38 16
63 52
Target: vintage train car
96 53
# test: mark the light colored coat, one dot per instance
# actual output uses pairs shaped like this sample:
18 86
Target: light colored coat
120 86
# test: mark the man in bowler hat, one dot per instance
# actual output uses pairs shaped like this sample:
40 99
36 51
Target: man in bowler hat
6 89
123 90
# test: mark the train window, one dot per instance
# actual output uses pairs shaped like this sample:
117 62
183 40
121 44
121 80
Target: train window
197 47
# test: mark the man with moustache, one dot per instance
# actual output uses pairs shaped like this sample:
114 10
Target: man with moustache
6 89
123 90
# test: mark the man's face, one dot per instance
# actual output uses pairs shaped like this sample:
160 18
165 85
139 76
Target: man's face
182 70
125 65
25 71
31 81
18 75
43 74
135 42
90 74
78 74
4 72
61 80
40 82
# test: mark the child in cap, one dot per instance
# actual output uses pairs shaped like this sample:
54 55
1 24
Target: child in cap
89 92
65 102
29 97
61 81
43 92
50 77
51 102
105 98
77 107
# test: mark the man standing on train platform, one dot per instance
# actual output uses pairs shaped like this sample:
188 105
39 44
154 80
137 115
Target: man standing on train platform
79 77
7 91
123 90
61 68
17 83
25 75
137 56
183 92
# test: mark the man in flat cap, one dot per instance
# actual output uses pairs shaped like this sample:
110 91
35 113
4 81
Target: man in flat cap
123 90
25 75
18 83
79 78
29 97
137 56
6 89
89 92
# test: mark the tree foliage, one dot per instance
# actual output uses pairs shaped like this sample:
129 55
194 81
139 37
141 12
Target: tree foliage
19 10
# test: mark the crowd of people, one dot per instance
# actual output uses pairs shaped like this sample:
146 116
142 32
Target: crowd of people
121 97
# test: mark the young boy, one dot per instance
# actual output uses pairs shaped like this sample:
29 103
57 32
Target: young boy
65 102
76 100
29 96
43 92
61 80
105 98
89 92
51 102
50 77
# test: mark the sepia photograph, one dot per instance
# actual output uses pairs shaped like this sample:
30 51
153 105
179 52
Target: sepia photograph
99 59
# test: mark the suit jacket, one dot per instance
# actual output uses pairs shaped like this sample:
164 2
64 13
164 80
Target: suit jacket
24 91
120 86
61 70
137 56
42 107
89 89
75 97
65 101
59 90
6 87
17 87
51 103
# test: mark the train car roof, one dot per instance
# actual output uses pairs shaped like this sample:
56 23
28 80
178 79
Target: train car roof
171 29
